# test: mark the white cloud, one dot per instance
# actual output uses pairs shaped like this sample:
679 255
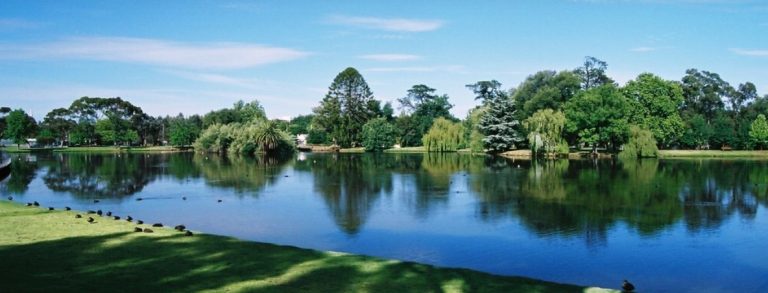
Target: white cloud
644 49
389 24
391 57
748 52
154 52
216 78
452 68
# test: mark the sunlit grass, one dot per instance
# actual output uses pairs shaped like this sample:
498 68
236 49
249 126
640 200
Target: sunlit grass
52 251
711 153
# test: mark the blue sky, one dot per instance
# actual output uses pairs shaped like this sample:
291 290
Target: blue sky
195 56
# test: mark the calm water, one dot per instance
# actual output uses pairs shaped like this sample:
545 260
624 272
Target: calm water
666 225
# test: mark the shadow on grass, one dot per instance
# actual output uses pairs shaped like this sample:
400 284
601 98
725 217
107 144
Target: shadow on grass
138 262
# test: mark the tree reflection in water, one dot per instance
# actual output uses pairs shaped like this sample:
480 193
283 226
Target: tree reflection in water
243 174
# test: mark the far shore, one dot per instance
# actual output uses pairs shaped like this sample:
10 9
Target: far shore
98 149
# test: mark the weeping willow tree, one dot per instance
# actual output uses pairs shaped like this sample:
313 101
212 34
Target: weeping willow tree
545 128
443 136
641 144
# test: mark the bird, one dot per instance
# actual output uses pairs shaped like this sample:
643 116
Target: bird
157 225
95 201
109 214
10 198
627 286
188 233
91 212
147 230
68 208
90 220
183 198
180 228
139 199
99 212
137 229
50 208
37 204
117 218
139 222
29 204
220 200
129 219
78 216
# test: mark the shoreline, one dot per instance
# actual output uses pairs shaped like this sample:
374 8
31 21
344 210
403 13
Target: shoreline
52 250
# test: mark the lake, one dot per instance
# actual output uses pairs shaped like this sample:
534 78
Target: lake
666 225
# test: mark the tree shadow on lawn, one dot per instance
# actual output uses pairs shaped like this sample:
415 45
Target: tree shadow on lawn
139 262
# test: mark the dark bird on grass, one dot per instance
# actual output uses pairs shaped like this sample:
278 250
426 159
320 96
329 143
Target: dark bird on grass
117 218
68 208
626 286
95 201
137 229
109 214
50 208
91 220
139 222
220 200
139 199
37 204
180 228
99 212
29 204
129 219
188 233
10 198
147 230
91 212
78 216
157 225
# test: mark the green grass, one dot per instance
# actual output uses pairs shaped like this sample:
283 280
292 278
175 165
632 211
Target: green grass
99 149
419 149
711 154
13 149
44 251
352 150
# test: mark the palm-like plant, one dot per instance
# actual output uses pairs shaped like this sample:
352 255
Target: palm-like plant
268 136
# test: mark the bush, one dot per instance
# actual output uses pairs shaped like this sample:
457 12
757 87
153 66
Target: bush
641 144
443 136
378 135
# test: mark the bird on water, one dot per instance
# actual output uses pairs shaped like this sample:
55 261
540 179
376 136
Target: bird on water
626 286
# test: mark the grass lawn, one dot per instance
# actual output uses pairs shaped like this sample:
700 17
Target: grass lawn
52 251
419 149
711 154
99 149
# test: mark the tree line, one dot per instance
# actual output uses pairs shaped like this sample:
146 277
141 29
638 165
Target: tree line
550 112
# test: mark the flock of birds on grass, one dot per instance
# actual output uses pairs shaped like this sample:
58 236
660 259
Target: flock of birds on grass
626 286
108 214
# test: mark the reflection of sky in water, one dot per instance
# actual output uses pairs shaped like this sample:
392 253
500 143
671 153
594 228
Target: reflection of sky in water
660 224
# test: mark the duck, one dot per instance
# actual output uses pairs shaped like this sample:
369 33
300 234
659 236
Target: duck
50 208
140 222
37 204
129 219
91 220
10 198
117 218
29 204
157 225
95 201
78 216
109 214
147 230
139 199
99 212
180 228
91 211
188 233
68 208
183 198
137 229
220 200
626 286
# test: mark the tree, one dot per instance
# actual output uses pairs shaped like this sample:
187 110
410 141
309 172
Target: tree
269 137
545 90
19 126
500 127
697 132
758 132
545 126
599 117
300 124
723 131
241 112
593 73
421 107
183 131
444 136
658 102
378 135
704 93
345 108
640 144
487 91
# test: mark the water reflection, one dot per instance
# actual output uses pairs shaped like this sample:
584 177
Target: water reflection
242 174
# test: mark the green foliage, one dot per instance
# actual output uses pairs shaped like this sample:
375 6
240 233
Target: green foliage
758 132
19 126
545 126
473 138
657 103
697 132
378 134
599 117
545 90
300 124
723 132
593 73
241 112
487 91
421 107
641 144
183 132
346 107
704 93
45 137
444 136
244 139
499 123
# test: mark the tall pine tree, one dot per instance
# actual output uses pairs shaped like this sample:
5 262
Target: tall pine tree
345 109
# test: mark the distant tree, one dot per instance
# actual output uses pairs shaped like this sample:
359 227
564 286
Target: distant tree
183 131
473 138
444 136
59 123
300 124
45 136
704 93
487 91
599 116
421 107
545 126
3 113
758 132
640 144
593 73
19 126
378 135
723 131
345 108
697 132
500 127
658 102
270 138
746 93
241 112
545 90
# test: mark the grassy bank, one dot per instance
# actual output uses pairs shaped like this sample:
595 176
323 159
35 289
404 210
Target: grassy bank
101 149
52 251
711 154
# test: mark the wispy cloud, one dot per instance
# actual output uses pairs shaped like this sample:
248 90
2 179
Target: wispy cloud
644 49
217 78
389 24
450 68
750 52
16 23
154 52
390 57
